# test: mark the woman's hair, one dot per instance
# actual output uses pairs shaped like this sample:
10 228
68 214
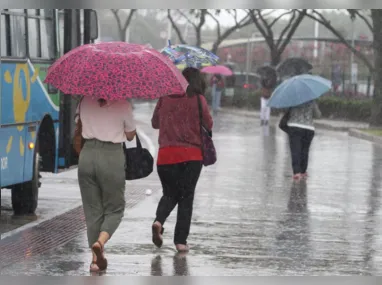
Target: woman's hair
101 101
197 84
218 76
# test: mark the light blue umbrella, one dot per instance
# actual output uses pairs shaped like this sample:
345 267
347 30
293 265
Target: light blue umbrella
298 90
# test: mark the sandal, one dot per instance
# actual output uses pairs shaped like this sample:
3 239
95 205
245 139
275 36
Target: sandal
101 260
157 231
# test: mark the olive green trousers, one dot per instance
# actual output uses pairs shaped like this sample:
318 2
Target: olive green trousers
101 177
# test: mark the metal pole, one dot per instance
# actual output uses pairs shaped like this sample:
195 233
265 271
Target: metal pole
352 41
316 34
352 54
247 58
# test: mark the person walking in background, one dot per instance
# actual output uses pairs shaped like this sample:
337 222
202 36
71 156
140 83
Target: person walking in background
265 111
301 133
217 89
268 83
101 169
180 157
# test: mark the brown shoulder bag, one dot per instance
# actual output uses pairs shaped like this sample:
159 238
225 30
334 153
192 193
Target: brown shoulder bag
78 140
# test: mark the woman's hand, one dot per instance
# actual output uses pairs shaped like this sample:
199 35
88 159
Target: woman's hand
130 135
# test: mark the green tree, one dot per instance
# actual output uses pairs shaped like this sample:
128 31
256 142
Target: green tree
373 20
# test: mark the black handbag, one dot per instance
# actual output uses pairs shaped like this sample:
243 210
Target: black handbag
283 125
139 161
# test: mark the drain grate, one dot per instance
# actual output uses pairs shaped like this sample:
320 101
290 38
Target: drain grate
50 234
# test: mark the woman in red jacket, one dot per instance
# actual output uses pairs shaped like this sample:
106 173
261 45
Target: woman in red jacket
180 157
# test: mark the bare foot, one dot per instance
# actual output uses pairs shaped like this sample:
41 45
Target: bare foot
94 267
182 247
101 261
297 177
157 232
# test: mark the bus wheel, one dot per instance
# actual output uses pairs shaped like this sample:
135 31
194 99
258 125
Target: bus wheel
25 195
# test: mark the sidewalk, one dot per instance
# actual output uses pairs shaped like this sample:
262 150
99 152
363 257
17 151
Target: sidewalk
249 218
327 124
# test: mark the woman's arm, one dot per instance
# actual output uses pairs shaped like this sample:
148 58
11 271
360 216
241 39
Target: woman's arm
207 118
316 111
155 118
129 123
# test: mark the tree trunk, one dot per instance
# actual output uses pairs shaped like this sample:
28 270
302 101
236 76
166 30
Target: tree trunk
122 35
275 57
198 37
376 114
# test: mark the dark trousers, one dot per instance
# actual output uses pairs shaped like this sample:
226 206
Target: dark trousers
178 183
300 140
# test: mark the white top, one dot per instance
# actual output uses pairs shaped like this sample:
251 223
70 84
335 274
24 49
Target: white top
107 123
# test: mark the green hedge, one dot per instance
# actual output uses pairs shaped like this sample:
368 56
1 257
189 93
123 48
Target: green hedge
347 109
331 106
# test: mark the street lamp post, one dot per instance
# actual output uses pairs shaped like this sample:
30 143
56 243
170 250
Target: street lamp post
249 57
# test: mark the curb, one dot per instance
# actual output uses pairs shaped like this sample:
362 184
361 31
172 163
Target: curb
364 136
317 123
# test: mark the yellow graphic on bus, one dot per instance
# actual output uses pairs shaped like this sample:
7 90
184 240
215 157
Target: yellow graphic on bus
20 105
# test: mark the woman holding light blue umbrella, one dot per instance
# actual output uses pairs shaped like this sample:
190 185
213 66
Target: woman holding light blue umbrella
298 95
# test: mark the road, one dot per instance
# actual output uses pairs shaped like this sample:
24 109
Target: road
249 217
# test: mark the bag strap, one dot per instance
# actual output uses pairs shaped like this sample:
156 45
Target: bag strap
79 109
139 144
200 107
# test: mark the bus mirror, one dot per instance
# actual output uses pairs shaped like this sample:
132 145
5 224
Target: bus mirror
93 25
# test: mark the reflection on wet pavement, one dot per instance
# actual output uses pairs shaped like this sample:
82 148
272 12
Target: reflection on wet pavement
249 217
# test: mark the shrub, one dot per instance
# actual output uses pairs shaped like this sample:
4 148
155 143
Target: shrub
347 109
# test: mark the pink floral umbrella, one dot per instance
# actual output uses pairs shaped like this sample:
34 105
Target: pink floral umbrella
116 71
217 69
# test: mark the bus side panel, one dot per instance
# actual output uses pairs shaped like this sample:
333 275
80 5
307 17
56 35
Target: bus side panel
41 104
11 149
13 108
45 104
25 102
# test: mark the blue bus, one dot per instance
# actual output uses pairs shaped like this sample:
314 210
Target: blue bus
36 121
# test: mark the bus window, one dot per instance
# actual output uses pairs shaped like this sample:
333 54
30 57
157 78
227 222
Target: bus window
34 33
18 32
47 35
3 37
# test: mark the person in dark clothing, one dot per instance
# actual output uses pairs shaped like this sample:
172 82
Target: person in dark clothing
301 133
180 158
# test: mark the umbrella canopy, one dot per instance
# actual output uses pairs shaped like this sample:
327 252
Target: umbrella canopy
218 69
182 66
299 90
266 71
293 66
268 76
116 71
190 55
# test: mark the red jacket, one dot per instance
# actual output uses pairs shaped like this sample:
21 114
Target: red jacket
177 118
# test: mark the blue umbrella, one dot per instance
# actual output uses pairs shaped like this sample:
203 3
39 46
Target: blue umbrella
190 55
299 90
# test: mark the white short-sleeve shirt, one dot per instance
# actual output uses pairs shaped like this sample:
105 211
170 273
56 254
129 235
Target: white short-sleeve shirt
107 123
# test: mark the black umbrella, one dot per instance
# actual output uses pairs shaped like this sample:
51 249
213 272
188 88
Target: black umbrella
268 76
293 66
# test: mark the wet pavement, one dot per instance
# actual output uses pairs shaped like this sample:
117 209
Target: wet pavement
249 217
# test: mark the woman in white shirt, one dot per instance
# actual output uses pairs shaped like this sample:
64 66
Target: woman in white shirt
101 175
